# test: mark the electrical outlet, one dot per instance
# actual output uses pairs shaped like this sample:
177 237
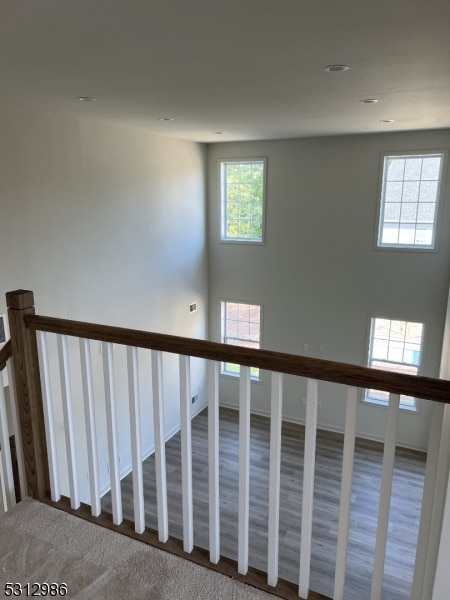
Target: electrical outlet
194 399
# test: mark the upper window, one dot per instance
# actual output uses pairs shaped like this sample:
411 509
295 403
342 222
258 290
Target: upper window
241 326
409 200
242 200
394 346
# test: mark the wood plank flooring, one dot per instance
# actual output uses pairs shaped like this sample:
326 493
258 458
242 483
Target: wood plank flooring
404 517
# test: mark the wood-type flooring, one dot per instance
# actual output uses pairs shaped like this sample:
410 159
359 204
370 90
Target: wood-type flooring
404 516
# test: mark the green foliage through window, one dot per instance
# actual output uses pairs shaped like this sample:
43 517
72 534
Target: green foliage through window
242 195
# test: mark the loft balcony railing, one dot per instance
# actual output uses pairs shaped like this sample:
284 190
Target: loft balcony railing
27 358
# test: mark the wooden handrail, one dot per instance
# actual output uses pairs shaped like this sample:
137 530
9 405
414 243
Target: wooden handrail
5 354
324 370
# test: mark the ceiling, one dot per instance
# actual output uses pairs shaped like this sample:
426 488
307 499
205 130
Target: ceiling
251 69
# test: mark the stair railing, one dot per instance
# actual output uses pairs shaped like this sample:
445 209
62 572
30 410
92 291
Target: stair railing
40 453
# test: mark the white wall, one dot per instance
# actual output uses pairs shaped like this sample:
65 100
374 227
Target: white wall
105 223
319 276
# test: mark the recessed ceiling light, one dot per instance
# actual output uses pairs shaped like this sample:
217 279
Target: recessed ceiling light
86 99
368 101
165 118
386 120
336 68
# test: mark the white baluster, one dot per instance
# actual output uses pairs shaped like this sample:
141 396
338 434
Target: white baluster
186 453
213 460
442 577
274 478
385 496
439 503
348 456
135 430
48 417
89 419
431 471
308 487
111 427
5 454
3 503
69 431
244 468
160 448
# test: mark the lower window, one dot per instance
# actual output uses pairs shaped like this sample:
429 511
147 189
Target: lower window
241 326
394 346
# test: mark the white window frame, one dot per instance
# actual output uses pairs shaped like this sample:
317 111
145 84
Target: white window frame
224 201
374 397
382 201
234 371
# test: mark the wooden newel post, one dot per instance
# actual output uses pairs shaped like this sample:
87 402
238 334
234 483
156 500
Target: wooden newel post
28 391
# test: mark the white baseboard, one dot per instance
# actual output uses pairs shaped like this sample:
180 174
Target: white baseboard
327 427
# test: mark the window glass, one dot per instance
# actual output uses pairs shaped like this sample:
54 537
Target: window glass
242 200
241 326
409 200
394 346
